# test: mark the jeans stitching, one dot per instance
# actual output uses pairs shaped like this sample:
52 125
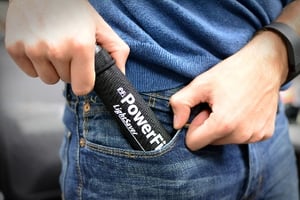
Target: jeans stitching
132 153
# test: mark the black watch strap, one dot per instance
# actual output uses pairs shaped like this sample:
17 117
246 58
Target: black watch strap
292 40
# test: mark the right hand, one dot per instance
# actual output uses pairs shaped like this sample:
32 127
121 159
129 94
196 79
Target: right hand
242 92
54 39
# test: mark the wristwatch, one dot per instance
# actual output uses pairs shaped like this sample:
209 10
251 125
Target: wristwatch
292 41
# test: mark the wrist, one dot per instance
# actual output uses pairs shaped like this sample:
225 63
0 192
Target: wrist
271 48
292 42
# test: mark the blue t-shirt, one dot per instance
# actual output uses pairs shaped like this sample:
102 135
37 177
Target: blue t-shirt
173 41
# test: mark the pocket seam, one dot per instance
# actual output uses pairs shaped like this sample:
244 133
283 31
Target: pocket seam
133 153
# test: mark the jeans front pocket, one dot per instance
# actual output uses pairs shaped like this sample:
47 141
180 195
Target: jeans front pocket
101 130
108 162
104 166
115 173
173 172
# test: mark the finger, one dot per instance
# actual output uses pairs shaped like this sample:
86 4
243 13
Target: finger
258 130
200 136
116 48
120 57
181 111
182 102
234 138
17 53
43 67
258 137
199 120
46 71
181 115
265 132
63 70
61 60
243 137
82 69
109 40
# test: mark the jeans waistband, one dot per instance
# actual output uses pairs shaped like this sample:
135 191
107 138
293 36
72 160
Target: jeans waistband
151 98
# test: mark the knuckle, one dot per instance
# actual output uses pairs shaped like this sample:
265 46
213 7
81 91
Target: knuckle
256 137
33 52
14 50
269 133
244 137
226 125
261 134
11 49
55 53
80 46
125 49
174 100
224 132
121 47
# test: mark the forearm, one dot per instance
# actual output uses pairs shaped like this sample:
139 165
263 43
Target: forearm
291 16
288 29
285 37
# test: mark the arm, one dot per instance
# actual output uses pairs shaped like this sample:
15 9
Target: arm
242 91
55 39
291 16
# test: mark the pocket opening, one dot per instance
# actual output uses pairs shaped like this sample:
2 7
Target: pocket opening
134 153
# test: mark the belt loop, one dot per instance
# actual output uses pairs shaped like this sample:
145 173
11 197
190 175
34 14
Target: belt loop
71 98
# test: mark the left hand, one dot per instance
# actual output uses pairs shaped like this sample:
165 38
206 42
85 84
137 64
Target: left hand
243 94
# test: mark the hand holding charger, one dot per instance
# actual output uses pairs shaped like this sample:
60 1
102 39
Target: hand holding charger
137 121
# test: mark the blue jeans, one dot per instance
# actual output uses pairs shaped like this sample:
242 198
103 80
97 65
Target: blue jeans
98 163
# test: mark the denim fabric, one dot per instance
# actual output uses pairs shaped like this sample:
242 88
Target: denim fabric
98 163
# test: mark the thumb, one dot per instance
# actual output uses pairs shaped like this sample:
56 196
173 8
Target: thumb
181 112
108 39
120 57
115 46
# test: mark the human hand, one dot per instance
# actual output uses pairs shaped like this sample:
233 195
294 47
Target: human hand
54 39
242 92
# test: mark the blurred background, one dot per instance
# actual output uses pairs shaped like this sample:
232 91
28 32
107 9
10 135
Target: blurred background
31 129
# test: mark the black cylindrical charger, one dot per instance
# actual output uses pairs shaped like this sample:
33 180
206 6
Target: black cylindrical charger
137 121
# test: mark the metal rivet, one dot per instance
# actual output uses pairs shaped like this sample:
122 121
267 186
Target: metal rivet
86 107
82 142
